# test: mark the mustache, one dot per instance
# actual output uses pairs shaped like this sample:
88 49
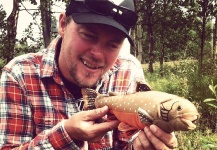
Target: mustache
94 59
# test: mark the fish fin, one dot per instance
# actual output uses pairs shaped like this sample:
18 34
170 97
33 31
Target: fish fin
113 94
89 96
141 87
126 131
144 116
125 127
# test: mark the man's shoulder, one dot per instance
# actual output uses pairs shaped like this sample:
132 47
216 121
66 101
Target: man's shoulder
24 60
129 59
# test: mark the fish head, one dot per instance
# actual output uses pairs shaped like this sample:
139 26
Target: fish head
180 113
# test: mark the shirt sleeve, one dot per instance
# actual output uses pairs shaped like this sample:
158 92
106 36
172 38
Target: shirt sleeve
17 129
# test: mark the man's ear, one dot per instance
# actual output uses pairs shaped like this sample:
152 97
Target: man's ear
62 24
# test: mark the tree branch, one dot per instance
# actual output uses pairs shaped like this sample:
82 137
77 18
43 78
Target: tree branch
34 20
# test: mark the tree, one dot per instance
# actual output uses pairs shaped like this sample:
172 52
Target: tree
3 33
145 24
204 10
10 39
171 30
8 34
215 41
150 35
45 9
137 33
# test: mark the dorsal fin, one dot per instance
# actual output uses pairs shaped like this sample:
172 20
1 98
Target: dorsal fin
89 96
112 94
141 87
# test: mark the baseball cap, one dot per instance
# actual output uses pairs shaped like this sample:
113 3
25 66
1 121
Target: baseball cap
119 14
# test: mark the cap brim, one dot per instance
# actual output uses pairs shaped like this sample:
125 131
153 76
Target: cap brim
82 18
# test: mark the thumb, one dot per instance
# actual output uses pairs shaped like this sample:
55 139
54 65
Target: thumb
97 113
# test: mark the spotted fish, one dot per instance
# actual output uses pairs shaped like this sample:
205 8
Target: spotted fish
167 111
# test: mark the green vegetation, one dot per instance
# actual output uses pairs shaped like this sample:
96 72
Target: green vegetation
182 78
212 101
197 140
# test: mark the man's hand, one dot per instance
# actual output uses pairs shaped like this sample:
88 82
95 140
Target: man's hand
84 126
153 138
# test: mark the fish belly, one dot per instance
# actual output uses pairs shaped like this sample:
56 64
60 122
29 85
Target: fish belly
129 118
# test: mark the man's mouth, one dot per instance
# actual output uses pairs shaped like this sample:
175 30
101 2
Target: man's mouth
89 65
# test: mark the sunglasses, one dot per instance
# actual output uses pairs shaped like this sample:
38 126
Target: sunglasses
121 14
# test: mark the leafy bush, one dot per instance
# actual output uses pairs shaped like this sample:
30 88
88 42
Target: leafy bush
183 78
212 101
2 63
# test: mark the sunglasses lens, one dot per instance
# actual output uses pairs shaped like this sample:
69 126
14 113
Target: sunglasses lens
105 7
101 7
127 17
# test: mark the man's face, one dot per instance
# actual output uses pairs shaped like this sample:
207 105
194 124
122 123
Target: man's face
88 51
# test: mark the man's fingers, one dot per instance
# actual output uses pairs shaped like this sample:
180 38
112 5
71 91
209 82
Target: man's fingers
106 126
98 130
157 143
96 113
142 142
168 138
98 126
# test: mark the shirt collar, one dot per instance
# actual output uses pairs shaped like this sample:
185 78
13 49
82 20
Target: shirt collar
48 63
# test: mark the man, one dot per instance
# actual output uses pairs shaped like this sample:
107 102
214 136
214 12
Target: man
40 96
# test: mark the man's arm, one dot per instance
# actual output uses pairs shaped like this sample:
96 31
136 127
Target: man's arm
17 128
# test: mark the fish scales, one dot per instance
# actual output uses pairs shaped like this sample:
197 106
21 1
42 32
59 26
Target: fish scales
128 103
169 112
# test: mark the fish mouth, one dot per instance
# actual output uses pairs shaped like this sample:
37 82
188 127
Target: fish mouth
190 120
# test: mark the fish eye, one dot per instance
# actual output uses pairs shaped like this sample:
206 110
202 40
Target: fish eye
179 108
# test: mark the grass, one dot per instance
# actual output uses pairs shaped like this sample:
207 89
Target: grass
197 140
181 78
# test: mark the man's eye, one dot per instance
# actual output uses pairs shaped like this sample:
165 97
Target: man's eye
88 36
113 46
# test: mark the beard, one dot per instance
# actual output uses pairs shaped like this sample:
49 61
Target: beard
87 80
79 77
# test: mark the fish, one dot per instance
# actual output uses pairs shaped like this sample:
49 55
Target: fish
167 111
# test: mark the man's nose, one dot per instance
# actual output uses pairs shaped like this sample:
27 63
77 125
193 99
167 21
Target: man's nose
96 50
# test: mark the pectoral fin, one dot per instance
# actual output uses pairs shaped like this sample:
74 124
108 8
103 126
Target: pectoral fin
125 127
144 116
89 96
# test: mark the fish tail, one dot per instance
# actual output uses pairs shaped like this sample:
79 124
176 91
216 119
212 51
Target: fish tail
89 96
